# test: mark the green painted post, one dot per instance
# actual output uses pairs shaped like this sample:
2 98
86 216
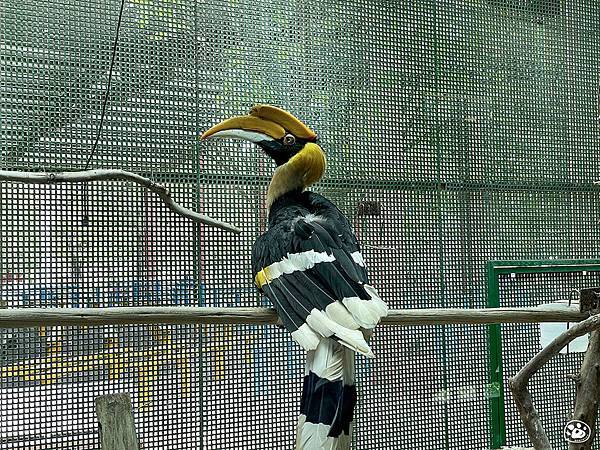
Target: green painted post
495 378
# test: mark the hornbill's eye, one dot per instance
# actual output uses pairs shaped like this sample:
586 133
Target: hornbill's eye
289 139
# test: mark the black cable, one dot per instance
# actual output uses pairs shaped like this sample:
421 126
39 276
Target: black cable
106 95
85 219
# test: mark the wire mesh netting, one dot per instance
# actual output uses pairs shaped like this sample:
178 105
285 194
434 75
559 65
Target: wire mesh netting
456 132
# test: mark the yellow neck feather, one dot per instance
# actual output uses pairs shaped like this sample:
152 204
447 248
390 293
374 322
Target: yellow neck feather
305 168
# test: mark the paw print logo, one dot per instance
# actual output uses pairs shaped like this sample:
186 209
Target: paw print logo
577 432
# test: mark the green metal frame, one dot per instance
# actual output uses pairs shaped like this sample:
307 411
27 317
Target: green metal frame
495 377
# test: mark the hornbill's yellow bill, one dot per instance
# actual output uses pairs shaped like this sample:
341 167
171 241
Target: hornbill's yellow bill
308 264
264 123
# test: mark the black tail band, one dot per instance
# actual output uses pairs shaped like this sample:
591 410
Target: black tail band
328 402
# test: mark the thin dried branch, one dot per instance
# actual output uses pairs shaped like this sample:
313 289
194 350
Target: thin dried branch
518 384
85 176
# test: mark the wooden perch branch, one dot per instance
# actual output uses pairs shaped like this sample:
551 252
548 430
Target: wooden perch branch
112 175
518 384
36 317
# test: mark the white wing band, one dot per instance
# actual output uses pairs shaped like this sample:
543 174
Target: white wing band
294 262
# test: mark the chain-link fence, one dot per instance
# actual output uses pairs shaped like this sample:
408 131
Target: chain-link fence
457 132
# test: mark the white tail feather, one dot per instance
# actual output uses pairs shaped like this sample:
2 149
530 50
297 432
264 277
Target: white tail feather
367 313
365 316
318 322
328 360
376 300
323 325
313 436
306 337
337 312
299 428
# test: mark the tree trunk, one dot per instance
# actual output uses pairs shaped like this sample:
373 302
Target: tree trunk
588 391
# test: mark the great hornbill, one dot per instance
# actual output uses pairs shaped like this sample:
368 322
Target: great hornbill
308 263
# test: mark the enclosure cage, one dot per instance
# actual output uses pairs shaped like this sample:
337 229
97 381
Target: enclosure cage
457 133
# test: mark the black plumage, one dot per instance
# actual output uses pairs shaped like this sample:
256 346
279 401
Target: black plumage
318 403
290 232
301 223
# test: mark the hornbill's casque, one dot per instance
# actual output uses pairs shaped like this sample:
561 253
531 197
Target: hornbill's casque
308 263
